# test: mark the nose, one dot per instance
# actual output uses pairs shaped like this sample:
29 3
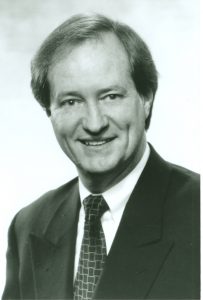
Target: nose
95 121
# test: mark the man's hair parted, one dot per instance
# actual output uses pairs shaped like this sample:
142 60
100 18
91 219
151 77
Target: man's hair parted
80 28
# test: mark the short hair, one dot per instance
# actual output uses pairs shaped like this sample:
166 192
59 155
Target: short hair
80 28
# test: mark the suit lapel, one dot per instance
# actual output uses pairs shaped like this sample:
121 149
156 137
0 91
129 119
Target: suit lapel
136 256
139 250
52 251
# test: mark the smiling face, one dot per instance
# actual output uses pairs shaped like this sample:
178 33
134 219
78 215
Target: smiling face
97 115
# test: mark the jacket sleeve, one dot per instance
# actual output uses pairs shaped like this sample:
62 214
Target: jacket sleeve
12 290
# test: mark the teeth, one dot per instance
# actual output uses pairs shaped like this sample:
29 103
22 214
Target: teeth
96 143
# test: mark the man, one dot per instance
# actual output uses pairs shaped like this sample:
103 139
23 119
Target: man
128 226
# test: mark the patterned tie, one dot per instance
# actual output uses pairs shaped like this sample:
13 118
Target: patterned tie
93 249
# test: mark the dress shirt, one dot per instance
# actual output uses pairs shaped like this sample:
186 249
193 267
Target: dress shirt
116 198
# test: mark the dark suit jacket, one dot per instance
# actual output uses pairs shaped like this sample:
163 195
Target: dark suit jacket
155 254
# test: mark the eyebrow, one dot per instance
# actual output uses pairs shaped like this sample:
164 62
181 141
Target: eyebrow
71 93
112 87
99 92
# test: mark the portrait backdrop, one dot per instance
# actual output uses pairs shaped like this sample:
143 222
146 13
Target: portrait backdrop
31 162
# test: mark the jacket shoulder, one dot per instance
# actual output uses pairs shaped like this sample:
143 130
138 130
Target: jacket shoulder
184 179
182 205
40 210
179 180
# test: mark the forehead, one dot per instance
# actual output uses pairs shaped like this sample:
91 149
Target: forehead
90 67
102 46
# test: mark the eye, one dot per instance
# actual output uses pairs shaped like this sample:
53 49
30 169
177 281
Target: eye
112 96
70 102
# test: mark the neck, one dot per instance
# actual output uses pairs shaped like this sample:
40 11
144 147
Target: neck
98 183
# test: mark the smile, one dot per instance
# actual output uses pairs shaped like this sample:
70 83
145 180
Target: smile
96 143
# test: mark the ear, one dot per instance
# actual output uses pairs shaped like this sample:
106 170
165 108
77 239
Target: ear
147 102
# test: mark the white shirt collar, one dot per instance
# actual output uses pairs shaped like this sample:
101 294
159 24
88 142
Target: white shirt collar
118 195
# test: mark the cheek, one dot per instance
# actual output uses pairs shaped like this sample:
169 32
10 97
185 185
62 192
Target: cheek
61 125
63 136
66 124
132 124
60 130
128 117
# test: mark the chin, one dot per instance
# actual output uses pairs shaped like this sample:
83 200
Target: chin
99 168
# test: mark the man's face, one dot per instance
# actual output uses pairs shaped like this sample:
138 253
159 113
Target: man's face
97 115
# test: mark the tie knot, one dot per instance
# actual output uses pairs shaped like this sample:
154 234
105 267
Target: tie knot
95 207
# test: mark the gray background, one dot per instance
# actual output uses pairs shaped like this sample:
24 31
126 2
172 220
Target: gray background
30 159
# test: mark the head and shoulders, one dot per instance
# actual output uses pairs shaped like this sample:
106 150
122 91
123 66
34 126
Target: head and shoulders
97 81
